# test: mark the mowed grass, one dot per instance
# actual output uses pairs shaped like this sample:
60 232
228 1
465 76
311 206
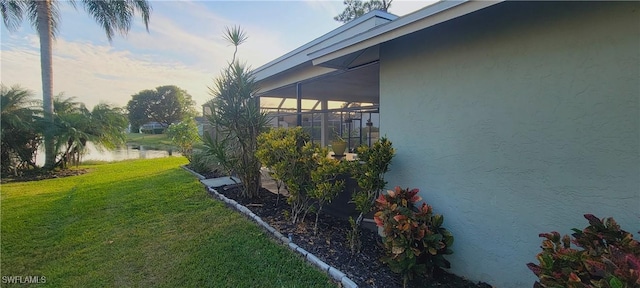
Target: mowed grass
155 141
150 141
139 223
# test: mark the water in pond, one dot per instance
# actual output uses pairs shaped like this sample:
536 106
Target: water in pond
120 154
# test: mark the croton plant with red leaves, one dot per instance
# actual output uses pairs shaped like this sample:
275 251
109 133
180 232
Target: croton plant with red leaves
607 256
414 239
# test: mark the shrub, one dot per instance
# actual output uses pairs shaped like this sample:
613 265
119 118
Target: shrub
205 164
609 257
414 240
309 175
184 135
369 173
289 153
324 178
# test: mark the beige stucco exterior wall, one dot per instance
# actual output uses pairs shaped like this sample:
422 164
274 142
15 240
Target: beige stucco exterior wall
515 121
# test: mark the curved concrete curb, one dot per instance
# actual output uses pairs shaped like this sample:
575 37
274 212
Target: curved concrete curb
332 271
200 177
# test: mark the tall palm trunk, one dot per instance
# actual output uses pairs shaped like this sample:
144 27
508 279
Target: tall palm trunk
45 31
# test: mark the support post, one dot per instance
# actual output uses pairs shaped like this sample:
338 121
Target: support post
324 126
299 103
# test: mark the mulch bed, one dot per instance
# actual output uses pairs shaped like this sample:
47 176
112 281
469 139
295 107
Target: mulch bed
330 244
41 174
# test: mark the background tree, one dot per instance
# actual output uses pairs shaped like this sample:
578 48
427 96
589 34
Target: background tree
357 8
18 122
238 120
114 16
165 105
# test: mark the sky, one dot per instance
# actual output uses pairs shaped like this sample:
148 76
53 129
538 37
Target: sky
184 46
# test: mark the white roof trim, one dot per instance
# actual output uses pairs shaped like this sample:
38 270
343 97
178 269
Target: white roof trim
429 16
337 31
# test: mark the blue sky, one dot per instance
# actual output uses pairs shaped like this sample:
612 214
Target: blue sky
184 46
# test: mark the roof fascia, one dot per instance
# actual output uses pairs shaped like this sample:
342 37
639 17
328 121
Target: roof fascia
373 14
429 16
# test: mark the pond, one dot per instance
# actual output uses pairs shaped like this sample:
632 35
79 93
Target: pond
125 153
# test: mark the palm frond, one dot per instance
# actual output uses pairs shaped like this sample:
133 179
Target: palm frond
235 35
12 12
18 109
34 16
117 16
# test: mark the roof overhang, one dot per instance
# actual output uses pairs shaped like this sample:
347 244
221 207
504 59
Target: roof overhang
300 56
343 65
338 55
354 85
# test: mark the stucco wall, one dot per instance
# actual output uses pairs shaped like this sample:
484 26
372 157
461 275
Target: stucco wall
517 120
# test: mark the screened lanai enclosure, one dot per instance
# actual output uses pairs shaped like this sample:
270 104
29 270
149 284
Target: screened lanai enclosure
343 103
330 96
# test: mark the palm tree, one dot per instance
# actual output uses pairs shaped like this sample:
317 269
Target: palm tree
70 123
108 125
19 133
75 126
113 16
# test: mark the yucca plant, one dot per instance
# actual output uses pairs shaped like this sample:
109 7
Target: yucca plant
237 119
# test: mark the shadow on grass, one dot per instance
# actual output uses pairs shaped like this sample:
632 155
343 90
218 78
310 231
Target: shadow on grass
158 230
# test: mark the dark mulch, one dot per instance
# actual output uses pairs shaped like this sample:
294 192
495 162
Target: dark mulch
330 244
41 174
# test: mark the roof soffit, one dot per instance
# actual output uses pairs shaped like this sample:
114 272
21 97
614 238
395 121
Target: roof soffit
300 55
421 19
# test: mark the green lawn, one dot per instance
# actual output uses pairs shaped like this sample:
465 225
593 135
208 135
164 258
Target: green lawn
155 141
138 223
150 141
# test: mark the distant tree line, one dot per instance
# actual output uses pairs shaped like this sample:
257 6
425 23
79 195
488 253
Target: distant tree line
164 105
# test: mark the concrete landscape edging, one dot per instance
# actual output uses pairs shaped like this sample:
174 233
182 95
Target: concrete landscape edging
335 273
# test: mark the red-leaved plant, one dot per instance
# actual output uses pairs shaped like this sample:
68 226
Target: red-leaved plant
414 240
609 257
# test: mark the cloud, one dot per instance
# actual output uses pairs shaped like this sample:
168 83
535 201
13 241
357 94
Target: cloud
188 54
194 34
403 7
184 47
331 8
97 73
